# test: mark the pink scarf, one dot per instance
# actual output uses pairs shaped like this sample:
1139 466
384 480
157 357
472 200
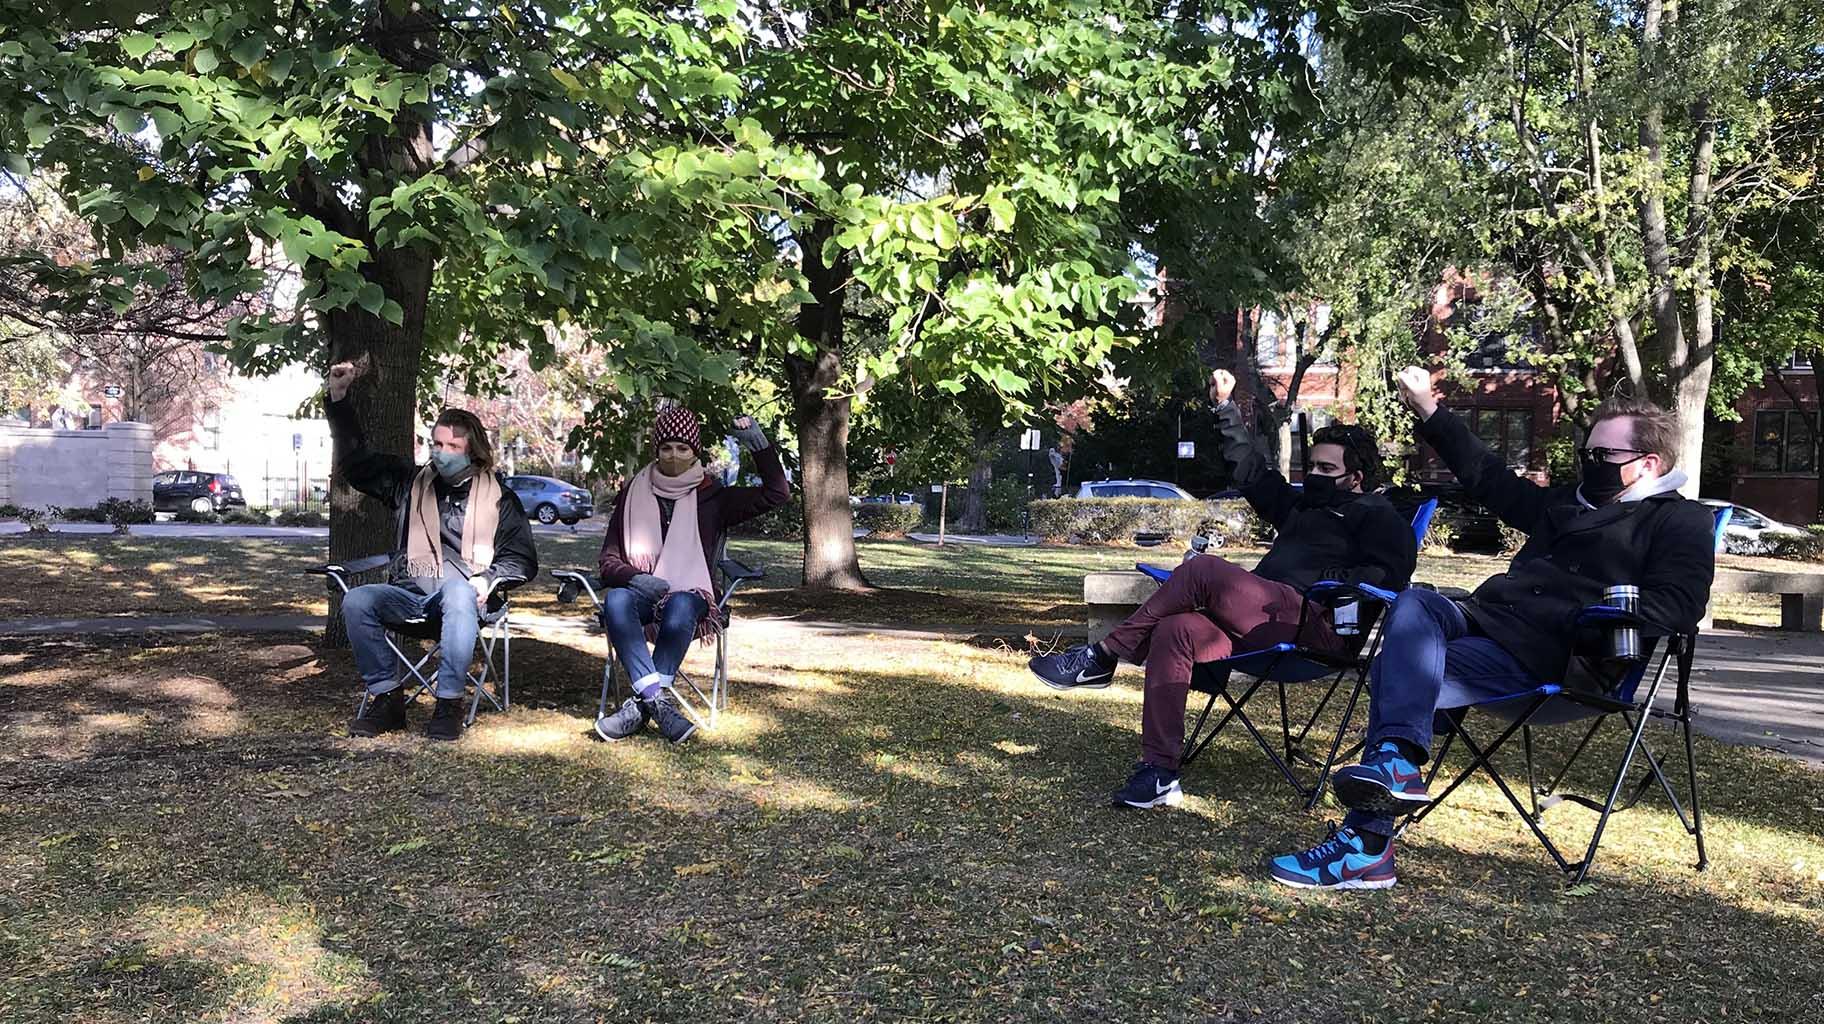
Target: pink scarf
674 555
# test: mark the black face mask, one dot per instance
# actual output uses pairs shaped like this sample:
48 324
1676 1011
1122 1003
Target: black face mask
1601 480
1323 490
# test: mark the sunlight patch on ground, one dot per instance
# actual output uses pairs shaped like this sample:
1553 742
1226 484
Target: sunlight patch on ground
273 952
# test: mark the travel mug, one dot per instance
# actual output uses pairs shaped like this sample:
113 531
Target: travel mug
1624 641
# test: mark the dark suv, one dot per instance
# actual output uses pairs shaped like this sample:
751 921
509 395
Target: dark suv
178 489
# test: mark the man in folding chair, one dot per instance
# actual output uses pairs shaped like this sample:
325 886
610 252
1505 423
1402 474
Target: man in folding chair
1211 608
463 543
1623 523
663 538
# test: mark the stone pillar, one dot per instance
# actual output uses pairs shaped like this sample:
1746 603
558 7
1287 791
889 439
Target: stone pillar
130 461
9 437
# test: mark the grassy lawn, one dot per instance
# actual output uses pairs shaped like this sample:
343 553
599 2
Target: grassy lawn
1042 586
882 829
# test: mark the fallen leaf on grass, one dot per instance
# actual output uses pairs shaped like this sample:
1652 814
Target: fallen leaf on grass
1586 889
708 867
414 843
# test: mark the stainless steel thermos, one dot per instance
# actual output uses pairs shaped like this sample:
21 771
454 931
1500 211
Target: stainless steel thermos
1624 640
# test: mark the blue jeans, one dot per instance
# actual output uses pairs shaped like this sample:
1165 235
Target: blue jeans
625 615
369 610
1430 660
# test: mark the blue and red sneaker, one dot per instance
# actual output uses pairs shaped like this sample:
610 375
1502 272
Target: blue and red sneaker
1339 862
1385 784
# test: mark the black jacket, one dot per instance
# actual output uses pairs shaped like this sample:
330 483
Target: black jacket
389 478
1662 544
1363 539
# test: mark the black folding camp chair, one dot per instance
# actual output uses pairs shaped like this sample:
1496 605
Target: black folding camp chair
1285 665
701 707
1552 704
496 635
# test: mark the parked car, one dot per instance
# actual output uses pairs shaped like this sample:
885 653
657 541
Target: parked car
902 498
1133 489
1749 531
202 493
549 500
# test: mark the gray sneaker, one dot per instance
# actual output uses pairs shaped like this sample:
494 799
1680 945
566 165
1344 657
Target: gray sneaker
670 721
623 722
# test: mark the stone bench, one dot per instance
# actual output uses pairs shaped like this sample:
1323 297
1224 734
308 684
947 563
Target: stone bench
1801 594
1113 596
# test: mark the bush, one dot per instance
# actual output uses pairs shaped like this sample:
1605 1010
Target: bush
1101 520
11 511
188 515
783 523
82 514
245 517
888 520
302 517
122 512
1006 505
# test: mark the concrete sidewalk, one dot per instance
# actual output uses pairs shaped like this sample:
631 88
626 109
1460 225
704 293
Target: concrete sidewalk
1760 689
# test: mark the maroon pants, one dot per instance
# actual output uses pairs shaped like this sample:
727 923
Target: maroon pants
1209 609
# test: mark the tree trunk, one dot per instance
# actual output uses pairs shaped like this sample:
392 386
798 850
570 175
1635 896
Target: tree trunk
1690 365
823 423
981 477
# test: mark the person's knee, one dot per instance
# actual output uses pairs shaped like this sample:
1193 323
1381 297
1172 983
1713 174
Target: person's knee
681 613
458 598
620 604
1207 567
358 604
1417 607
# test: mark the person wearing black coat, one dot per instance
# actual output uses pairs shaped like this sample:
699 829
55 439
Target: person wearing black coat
1336 528
455 561
1624 522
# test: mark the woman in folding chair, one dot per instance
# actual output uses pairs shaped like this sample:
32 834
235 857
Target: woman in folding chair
656 560
1623 523
463 543
1210 608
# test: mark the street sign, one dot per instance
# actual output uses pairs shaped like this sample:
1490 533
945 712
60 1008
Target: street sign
1187 449
297 442
937 488
1029 441
113 391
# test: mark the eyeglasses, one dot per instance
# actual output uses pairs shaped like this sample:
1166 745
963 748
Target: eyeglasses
1606 454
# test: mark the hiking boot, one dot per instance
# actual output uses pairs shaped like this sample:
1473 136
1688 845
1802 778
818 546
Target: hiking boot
446 720
1341 861
1385 784
670 721
623 722
383 712
1150 786
1077 667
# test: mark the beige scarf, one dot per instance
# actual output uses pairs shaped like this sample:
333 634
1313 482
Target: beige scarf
424 535
675 555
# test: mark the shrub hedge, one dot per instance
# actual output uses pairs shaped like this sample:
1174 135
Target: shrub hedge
888 520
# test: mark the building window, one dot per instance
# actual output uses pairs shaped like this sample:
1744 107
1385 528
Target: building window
1507 432
1782 442
1266 340
212 428
1798 361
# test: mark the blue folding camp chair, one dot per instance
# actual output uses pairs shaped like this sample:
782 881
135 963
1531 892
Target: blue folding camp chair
1288 664
1552 704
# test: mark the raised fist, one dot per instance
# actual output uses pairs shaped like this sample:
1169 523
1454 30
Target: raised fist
1415 391
343 374
1222 385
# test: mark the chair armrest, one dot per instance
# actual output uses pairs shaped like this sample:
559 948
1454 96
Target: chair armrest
571 582
350 568
1328 592
1609 615
737 572
1454 593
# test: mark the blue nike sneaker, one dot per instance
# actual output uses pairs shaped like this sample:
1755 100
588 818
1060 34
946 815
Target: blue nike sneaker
1077 667
1339 862
1150 786
1385 784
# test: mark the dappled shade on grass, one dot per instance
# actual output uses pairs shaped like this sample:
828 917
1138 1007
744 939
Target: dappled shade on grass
884 828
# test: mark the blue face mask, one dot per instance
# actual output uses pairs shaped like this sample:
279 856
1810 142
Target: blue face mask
450 465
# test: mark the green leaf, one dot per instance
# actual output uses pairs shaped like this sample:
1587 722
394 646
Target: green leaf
392 313
206 61
371 297
168 122
629 259
138 45
1001 212
128 122
248 51
142 211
